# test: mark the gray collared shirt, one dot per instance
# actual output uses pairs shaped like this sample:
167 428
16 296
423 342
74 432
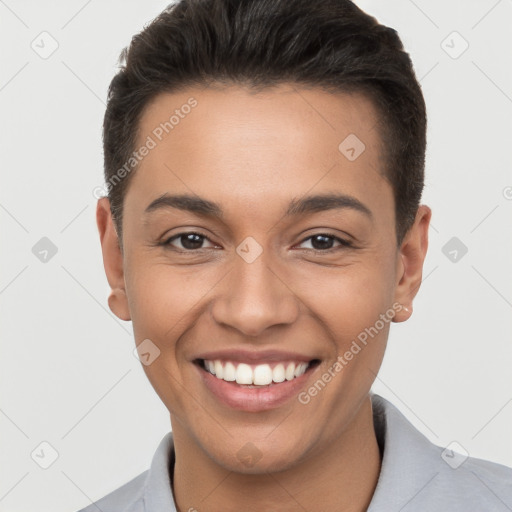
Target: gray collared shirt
416 475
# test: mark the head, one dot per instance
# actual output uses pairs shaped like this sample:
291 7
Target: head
245 110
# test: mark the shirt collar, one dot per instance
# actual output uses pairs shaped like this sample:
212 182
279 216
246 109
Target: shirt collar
410 461
158 495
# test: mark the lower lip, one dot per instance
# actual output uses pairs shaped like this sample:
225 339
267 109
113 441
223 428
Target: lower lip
254 399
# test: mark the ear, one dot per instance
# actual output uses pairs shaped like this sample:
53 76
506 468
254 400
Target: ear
112 260
410 262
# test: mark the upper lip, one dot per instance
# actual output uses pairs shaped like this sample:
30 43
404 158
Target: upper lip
254 356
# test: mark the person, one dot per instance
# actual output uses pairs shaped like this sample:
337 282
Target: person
264 161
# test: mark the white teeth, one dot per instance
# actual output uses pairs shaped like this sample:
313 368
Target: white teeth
300 369
229 372
262 375
219 371
278 373
243 373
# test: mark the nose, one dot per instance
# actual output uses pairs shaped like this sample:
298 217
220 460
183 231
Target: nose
253 297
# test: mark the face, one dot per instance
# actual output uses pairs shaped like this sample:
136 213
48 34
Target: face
283 252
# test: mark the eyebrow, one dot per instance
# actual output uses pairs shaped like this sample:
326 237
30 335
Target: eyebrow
305 205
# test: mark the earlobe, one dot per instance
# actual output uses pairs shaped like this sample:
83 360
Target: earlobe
412 256
118 304
112 260
404 313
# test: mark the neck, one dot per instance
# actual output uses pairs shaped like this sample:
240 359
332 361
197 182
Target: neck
341 475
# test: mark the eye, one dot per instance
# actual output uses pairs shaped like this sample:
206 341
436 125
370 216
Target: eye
191 241
188 241
324 242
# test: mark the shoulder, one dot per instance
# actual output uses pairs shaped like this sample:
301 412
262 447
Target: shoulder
476 483
418 475
127 498
151 490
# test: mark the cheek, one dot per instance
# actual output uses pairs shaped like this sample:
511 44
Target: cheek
348 299
348 304
159 305
162 297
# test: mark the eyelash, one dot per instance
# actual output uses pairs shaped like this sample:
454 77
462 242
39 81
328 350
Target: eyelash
344 244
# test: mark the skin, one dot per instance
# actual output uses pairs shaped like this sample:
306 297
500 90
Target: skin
252 154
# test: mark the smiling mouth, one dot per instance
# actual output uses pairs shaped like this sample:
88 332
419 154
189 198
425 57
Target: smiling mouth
256 375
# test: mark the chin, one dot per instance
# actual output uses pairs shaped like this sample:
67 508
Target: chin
256 458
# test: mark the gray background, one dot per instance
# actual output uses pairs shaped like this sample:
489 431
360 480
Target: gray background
68 374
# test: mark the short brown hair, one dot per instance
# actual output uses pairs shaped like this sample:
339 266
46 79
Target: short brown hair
330 44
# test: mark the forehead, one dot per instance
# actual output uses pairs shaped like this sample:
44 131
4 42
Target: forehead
280 116
245 149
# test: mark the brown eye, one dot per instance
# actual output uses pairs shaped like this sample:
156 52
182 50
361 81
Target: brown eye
187 241
325 242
